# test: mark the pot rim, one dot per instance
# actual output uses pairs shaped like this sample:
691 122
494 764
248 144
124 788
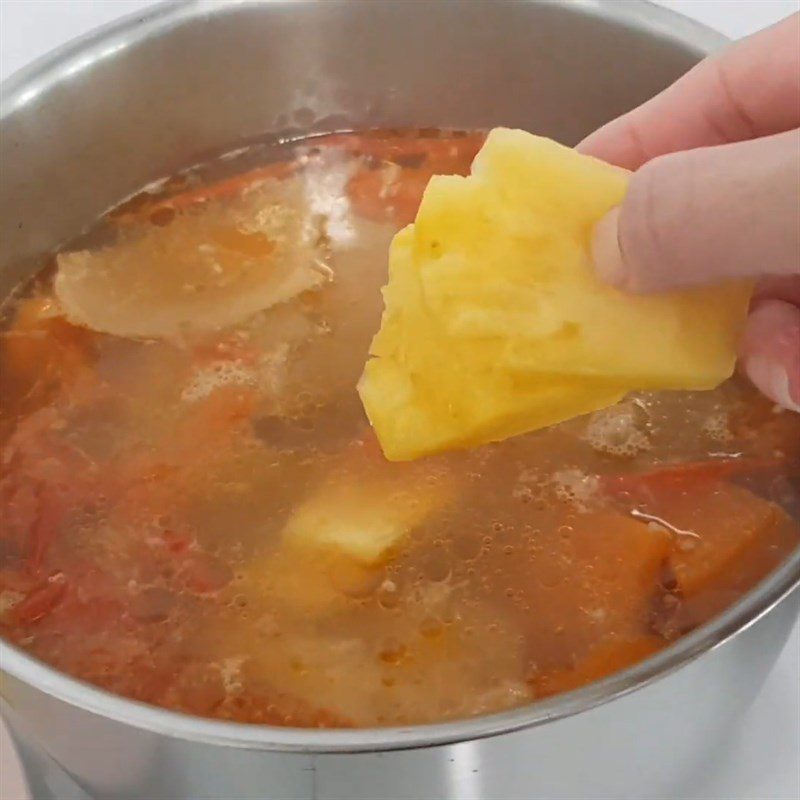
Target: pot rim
47 72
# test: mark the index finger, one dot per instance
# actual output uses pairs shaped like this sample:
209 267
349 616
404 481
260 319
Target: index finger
750 89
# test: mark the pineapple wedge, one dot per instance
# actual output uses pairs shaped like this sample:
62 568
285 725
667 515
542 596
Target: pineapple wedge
365 510
335 544
453 397
495 323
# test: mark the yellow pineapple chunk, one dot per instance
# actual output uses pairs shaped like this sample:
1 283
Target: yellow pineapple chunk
336 543
366 509
495 323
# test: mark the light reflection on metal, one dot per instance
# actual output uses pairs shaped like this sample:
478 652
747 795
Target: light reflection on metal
69 70
464 772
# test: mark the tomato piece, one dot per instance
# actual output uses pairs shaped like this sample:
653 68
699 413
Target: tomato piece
39 352
39 603
725 537
47 479
674 477
619 564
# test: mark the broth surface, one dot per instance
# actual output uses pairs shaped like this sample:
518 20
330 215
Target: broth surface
180 470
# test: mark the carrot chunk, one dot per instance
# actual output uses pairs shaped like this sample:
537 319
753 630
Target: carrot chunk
728 532
604 587
619 562
676 477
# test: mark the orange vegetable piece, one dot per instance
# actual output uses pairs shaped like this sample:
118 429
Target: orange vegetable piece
605 587
41 348
728 530
39 603
673 477
619 562
604 659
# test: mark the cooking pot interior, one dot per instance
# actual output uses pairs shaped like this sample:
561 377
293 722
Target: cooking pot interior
191 80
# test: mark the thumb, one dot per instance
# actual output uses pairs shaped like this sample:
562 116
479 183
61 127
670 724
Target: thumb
706 215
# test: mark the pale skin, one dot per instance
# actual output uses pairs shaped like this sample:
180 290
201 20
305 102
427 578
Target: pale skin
716 194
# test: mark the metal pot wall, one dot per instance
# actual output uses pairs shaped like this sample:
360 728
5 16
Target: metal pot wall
90 124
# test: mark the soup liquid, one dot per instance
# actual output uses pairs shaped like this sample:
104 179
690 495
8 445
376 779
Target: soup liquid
165 497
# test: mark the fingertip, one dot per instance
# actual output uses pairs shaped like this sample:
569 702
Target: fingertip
606 253
772 380
770 352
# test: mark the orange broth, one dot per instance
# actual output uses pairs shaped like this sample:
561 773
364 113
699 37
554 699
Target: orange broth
148 484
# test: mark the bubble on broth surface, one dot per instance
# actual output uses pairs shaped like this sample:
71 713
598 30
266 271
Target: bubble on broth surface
531 486
575 487
717 427
219 373
621 430
388 594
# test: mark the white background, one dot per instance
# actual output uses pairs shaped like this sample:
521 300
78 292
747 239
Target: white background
763 761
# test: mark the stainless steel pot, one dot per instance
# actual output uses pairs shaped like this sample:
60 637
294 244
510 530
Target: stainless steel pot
90 124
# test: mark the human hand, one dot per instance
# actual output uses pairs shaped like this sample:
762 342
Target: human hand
716 194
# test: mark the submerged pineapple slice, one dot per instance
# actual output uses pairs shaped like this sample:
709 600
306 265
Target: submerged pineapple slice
366 509
206 269
495 323
335 544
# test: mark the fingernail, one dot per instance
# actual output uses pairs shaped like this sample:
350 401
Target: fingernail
606 254
773 381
